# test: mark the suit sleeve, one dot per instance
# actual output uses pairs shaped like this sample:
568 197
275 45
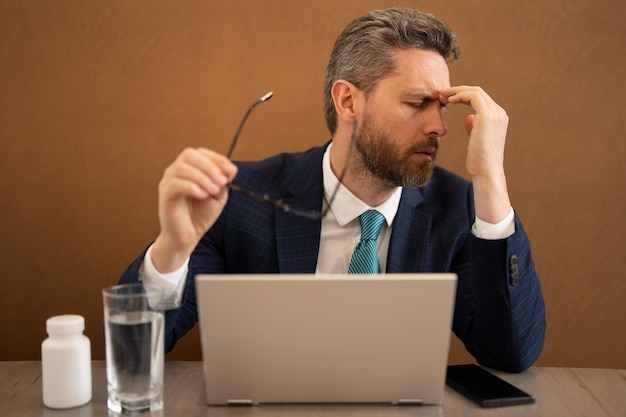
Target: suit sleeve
177 321
500 312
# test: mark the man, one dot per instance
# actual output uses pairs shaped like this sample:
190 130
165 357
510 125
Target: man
387 86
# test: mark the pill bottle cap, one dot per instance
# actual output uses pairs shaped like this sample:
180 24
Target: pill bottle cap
65 324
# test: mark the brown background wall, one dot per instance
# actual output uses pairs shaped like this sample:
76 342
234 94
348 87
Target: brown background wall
96 98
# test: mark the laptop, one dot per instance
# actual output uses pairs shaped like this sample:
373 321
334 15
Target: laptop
285 339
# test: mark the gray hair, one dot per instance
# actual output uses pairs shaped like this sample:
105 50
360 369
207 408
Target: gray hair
364 51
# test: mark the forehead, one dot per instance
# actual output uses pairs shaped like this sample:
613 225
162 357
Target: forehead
417 70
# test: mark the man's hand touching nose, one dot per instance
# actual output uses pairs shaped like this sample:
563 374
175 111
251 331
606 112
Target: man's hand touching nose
486 127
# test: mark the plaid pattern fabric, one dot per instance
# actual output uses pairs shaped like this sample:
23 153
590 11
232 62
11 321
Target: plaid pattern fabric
500 320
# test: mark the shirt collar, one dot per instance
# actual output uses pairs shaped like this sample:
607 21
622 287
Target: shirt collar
346 206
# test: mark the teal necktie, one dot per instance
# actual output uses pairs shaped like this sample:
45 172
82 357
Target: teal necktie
364 258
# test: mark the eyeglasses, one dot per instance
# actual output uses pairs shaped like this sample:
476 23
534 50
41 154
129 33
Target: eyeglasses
265 198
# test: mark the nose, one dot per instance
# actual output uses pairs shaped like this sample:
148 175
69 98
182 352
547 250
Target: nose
434 124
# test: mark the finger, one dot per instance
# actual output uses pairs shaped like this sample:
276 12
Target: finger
176 187
475 97
481 103
469 124
226 166
199 171
451 91
462 94
217 168
182 170
446 93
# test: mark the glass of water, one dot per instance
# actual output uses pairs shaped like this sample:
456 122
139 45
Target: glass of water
133 323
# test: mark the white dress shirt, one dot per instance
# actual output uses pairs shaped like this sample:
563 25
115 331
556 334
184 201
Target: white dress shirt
340 234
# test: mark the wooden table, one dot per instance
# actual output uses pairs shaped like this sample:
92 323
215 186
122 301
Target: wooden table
567 392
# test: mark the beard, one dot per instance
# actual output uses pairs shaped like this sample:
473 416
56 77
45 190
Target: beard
392 166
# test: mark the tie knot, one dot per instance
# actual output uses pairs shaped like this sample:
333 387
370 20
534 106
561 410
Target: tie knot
371 222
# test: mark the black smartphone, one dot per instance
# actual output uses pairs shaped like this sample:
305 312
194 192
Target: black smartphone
485 388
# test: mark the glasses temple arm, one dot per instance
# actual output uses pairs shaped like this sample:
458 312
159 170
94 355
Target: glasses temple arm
243 122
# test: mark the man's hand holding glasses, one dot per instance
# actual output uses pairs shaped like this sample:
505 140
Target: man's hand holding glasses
193 193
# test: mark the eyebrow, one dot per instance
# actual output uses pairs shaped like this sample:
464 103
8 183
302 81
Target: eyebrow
422 95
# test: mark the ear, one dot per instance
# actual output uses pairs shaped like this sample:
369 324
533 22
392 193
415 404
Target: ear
346 96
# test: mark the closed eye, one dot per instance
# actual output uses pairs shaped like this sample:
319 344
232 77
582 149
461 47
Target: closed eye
424 104
418 105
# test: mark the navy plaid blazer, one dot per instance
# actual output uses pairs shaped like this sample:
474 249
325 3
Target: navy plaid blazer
499 310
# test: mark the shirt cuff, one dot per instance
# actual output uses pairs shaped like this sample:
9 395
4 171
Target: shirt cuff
489 231
172 283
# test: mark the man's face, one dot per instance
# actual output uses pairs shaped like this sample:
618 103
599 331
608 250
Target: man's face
399 127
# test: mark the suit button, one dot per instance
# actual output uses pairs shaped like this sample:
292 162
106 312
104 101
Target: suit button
513 270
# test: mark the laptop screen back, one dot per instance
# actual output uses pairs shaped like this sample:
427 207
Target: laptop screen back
304 339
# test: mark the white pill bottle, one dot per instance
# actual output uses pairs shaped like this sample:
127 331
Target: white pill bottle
66 363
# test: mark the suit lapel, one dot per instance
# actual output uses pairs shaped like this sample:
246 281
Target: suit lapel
297 238
410 234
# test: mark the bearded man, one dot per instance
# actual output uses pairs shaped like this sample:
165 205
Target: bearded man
386 90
